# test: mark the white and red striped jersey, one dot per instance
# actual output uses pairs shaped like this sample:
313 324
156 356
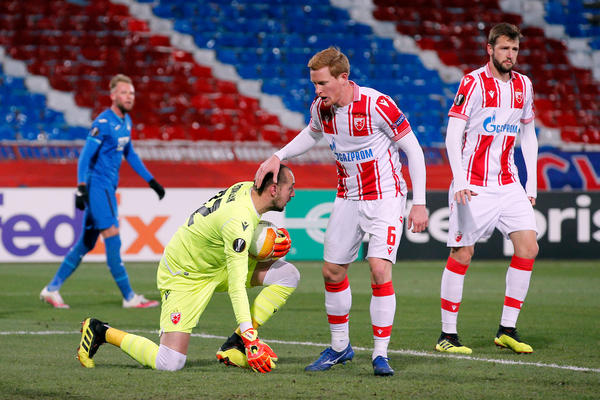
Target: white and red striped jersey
494 111
361 136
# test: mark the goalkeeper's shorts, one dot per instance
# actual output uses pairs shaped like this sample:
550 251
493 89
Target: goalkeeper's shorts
182 306
181 309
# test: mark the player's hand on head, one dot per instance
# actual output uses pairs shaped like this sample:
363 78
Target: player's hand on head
257 352
157 187
418 218
81 197
270 165
283 243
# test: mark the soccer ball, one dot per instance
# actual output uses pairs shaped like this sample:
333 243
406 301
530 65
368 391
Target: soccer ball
263 241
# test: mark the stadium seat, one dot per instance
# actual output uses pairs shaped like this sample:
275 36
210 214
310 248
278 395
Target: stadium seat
464 47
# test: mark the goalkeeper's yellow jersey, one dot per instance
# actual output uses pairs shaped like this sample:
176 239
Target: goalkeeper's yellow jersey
212 245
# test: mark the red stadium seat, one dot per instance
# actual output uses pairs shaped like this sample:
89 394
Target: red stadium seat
174 132
202 102
226 101
159 40
137 25
226 87
182 56
201 71
263 118
276 136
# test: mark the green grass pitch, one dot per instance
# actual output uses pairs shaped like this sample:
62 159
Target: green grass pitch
560 319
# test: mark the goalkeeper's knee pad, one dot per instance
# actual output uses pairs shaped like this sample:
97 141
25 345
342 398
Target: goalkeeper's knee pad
282 273
169 360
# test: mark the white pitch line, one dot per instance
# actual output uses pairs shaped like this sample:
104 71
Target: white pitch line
320 345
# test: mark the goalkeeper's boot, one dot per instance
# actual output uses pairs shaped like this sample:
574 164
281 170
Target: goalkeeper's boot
139 301
233 352
381 366
508 338
330 357
449 343
93 334
53 298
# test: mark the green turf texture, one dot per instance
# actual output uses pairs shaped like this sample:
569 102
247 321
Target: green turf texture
560 319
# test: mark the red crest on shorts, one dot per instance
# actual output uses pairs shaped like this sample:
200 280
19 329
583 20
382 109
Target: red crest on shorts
459 236
175 317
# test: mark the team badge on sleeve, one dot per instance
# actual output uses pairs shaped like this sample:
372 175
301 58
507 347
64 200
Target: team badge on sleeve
459 99
94 132
239 245
399 121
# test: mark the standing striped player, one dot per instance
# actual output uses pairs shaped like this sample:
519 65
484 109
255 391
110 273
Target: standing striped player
493 105
364 129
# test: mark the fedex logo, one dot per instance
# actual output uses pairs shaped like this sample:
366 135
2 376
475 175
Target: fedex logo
14 228
43 224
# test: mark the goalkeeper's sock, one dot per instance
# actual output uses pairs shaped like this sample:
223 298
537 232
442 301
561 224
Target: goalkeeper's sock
338 300
69 265
268 302
139 348
117 269
382 309
517 285
453 279
115 336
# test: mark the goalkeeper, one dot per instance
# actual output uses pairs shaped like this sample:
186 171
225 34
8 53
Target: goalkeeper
209 253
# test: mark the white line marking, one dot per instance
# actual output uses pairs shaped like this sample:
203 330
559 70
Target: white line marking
313 344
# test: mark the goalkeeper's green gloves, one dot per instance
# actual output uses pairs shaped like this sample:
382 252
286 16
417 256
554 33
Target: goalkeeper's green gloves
260 355
283 243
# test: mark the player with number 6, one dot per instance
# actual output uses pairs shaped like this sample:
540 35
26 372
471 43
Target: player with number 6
364 129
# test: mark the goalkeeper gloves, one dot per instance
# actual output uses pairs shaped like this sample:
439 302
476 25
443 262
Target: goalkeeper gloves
258 353
283 243
157 187
81 196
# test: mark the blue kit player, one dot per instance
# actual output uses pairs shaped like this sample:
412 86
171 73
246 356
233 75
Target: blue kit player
108 142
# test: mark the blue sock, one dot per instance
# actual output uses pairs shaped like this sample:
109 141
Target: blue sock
85 243
117 269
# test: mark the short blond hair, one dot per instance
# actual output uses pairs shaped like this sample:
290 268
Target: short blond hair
333 58
119 78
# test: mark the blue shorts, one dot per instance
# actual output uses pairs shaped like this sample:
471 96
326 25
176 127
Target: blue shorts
101 212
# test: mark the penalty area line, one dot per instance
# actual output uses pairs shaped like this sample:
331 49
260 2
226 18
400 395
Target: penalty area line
321 345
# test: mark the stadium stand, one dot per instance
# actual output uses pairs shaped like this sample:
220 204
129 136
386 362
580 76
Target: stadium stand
78 48
566 94
279 37
211 75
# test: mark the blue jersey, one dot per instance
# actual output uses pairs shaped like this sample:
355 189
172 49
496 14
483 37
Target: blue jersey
108 142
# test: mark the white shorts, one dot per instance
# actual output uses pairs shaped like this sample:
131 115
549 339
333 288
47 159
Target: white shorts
504 207
351 219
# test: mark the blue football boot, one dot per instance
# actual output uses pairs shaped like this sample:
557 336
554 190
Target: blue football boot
329 358
381 367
